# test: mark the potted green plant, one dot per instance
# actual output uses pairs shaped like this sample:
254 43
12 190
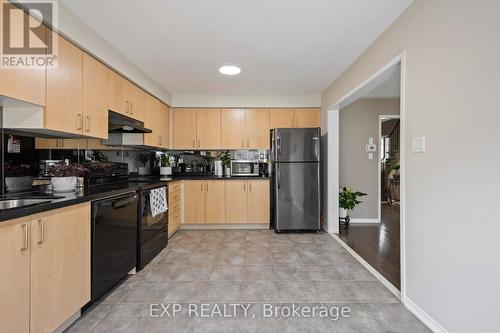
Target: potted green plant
225 159
18 177
348 200
396 167
64 176
164 161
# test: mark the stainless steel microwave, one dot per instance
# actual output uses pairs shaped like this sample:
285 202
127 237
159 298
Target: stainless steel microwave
244 168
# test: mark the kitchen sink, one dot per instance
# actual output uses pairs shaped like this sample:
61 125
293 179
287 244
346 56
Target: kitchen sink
9 204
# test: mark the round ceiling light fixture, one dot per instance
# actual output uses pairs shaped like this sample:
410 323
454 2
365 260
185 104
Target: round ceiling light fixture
230 70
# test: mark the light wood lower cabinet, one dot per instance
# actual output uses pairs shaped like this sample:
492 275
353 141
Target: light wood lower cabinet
258 201
215 193
60 266
236 201
194 201
174 207
45 275
15 276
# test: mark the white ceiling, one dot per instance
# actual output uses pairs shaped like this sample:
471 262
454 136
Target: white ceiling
283 46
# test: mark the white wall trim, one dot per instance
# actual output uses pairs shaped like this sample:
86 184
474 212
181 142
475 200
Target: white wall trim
333 138
379 170
249 226
366 265
428 321
364 220
333 170
256 101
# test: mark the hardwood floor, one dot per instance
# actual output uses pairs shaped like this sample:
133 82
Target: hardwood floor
378 244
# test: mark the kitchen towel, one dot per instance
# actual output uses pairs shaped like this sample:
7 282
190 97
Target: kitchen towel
158 201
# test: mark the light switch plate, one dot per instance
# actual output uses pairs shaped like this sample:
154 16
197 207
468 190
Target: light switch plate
371 148
418 144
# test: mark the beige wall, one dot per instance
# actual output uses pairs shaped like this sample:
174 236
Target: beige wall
452 190
358 122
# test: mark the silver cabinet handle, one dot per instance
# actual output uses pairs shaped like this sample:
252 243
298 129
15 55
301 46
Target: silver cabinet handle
206 186
244 186
198 143
42 232
88 123
131 107
161 139
292 121
242 143
249 186
202 186
193 143
26 237
248 143
127 104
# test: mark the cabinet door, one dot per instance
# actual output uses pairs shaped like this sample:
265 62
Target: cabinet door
257 128
184 128
215 201
73 144
258 201
95 98
165 126
281 118
42 143
307 117
15 276
152 121
64 90
233 129
116 93
208 128
194 201
236 201
136 98
23 84
60 265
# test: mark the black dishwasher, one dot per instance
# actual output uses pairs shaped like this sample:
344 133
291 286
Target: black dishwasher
114 241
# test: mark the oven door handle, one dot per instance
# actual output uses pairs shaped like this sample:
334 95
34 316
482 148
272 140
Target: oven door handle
122 203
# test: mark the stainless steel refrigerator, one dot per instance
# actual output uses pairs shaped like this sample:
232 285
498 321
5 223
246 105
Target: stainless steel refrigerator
295 157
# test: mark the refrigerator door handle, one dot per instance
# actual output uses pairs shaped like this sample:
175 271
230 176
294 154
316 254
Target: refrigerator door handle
279 175
278 146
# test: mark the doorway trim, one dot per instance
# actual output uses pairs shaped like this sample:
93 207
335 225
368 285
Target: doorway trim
379 169
333 156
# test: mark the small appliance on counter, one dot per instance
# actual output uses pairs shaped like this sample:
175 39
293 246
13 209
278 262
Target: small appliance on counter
242 168
218 169
44 166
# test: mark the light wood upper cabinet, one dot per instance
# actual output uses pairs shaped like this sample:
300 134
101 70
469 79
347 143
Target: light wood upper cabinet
165 126
15 276
136 98
117 101
95 98
63 111
43 143
184 128
152 121
257 128
60 266
194 201
236 201
233 129
258 201
281 118
215 203
307 117
208 131
23 84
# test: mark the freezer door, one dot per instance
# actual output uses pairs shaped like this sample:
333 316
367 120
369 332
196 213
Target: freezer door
296 205
296 144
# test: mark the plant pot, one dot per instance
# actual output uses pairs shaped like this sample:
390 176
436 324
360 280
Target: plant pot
143 171
343 213
227 172
165 171
14 184
63 184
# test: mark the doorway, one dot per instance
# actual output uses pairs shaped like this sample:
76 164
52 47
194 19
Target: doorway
382 225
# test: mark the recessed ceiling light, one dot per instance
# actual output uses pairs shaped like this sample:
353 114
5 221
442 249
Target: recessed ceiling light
230 70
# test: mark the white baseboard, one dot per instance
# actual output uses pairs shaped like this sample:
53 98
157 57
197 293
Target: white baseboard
428 321
372 270
251 226
354 220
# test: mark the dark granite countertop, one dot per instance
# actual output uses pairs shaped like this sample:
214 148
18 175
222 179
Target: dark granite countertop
95 193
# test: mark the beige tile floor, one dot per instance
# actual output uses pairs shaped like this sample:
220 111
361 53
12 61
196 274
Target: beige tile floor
252 267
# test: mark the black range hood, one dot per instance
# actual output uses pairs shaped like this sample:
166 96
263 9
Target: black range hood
119 123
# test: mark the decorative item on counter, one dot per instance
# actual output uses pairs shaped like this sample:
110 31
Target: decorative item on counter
165 166
144 159
64 176
348 200
225 158
18 177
